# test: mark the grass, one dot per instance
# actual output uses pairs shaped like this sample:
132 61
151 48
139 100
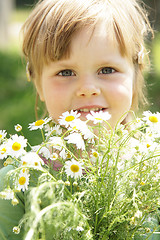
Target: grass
156 54
153 77
17 96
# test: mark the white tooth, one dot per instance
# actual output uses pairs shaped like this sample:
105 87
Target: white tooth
88 110
96 109
84 110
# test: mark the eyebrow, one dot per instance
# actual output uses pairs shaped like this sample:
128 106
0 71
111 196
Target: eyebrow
113 61
64 65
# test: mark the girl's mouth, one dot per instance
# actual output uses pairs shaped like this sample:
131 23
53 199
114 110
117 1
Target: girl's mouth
88 110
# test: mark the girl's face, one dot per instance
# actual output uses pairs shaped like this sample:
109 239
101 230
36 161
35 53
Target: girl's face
95 77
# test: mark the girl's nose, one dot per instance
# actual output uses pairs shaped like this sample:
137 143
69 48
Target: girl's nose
88 89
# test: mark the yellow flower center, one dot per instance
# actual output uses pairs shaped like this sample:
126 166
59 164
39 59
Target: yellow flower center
148 145
16 146
69 118
153 119
39 122
36 163
16 230
3 150
68 155
22 180
0 135
95 154
5 164
74 168
142 183
54 156
98 119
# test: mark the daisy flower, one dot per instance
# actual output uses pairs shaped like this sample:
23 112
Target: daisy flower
16 145
3 134
31 159
67 183
14 201
94 154
152 119
39 124
73 168
44 151
53 130
8 161
18 128
77 139
56 142
63 154
16 230
147 145
23 180
3 151
77 124
54 156
68 117
98 117
7 194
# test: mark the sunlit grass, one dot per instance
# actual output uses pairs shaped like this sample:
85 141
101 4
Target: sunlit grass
156 54
20 14
18 17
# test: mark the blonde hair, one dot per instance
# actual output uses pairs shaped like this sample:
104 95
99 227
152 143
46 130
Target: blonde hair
48 32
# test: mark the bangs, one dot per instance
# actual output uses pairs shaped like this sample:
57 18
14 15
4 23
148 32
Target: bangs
51 27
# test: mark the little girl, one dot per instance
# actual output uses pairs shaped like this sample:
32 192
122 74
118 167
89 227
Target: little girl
83 55
87 55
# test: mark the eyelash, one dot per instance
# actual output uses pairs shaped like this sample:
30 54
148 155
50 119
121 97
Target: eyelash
71 73
110 69
66 70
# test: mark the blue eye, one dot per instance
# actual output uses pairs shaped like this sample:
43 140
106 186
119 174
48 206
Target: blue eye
107 70
66 73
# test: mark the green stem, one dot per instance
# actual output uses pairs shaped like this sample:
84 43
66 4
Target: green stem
42 135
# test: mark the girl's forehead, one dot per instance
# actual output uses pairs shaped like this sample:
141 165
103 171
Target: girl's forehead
89 36
98 40
96 45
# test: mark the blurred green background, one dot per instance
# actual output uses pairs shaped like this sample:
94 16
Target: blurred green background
17 97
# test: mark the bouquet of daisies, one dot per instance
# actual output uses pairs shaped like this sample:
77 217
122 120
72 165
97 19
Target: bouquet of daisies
85 180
